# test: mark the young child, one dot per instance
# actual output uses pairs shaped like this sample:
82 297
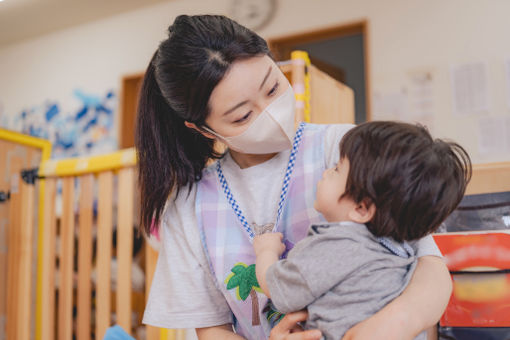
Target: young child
392 184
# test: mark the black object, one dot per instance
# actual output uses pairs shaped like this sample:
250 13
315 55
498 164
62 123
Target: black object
474 333
30 175
4 196
480 212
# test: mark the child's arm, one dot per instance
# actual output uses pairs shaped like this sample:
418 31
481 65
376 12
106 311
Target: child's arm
313 267
268 248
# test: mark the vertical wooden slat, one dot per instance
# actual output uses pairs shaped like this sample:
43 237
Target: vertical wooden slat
85 257
12 252
168 334
3 267
181 334
19 271
124 247
151 258
104 253
4 218
298 84
65 303
5 172
48 262
24 261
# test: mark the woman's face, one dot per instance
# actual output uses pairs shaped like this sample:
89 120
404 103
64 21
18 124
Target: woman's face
245 91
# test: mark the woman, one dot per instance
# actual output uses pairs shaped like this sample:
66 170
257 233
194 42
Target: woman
213 79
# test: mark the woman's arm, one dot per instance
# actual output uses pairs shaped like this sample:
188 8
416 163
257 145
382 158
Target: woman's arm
217 332
419 307
286 329
427 295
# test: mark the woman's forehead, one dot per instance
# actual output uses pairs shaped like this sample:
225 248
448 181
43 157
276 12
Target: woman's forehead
241 82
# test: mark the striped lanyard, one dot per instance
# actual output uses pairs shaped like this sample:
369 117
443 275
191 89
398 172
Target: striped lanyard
403 249
285 187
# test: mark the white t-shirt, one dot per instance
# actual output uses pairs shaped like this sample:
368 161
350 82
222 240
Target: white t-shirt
183 293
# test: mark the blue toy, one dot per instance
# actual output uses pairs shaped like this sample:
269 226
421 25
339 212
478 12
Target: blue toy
117 333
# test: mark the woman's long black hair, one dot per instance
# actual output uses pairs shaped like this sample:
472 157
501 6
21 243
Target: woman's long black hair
176 88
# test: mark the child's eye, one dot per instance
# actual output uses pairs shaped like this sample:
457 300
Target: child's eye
246 116
273 90
336 168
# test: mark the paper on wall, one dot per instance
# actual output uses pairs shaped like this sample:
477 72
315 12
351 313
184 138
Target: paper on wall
470 88
421 94
414 103
507 134
508 81
391 106
494 135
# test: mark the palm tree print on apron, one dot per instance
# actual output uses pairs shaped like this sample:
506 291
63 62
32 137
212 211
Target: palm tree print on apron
244 280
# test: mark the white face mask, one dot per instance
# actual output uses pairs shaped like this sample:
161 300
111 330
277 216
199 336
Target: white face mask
272 131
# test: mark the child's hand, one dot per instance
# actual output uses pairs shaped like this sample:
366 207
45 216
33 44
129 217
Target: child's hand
268 248
270 242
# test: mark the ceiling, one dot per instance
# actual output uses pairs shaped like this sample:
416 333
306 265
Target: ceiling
24 19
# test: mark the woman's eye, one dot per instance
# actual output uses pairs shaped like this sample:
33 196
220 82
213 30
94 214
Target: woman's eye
273 90
246 116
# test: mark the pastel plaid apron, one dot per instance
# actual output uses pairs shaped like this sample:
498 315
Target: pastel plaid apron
227 236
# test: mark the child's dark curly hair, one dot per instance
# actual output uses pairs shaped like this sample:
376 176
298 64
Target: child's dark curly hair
414 181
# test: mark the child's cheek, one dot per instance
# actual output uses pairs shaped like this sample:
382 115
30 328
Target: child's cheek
318 197
315 203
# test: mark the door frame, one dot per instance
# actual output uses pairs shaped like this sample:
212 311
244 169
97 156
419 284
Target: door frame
129 93
284 44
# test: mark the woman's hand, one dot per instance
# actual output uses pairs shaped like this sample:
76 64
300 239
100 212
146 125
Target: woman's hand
288 328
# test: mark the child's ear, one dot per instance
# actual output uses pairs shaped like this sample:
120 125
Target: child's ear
363 212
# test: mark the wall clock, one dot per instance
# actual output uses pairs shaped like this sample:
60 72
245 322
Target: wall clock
253 14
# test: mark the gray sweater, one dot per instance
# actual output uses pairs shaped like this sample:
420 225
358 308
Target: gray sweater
342 274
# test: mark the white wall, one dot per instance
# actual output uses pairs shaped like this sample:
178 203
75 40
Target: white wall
404 36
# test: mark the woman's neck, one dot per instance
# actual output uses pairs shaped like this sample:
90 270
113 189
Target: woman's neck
245 160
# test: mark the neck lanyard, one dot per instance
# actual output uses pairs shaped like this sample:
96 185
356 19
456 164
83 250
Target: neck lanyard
283 195
404 250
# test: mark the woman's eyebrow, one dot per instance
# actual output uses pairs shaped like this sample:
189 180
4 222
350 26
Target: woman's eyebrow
235 107
244 102
265 78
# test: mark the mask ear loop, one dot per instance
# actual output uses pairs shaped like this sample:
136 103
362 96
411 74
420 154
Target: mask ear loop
221 139
211 131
